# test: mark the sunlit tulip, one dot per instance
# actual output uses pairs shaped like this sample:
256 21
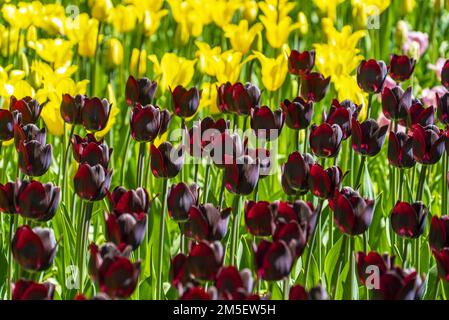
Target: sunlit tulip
172 70
409 219
274 70
123 18
7 201
113 53
241 36
30 290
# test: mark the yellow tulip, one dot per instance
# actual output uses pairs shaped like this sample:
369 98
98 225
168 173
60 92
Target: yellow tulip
363 9
191 16
152 21
9 39
172 70
138 63
274 71
250 10
304 24
12 83
31 37
51 17
113 53
124 18
207 58
240 36
224 11
112 115
208 100
17 17
83 31
100 9
56 51
229 66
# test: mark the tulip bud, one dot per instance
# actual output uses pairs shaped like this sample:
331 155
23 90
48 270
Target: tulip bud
30 290
259 218
6 125
166 161
238 98
232 284
128 228
31 36
28 107
325 140
418 114
401 67
442 258
23 63
382 262
101 10
140 91
445 75
443 108
203 132
322 183
127 201
298 292
113 54
27 133
34 249
95 113
138 60
400 153
439 233
206 222
409 220
371 75
304 25
414 50
295 173
92 182
147 122
185 102
36 200
367 137
241 177
428 144
298 113
396 103
91 151
274 260
7 198
300 63
179 275
180 199
205 259
314 86
34 158
293 234
267 124
250 10
71 108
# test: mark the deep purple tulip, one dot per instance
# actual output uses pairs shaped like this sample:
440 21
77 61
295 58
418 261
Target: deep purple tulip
401 67
205 260
203 132
325 139
34 158
442 259
445 75
238 98
185 102
428 144
371 75
274 260
293 234
409 220
92 182
298 292
128 228
35 200
140 91
206 222
342 114
263 157
439 232
367 261
129 201
179 275
6 125
400 152
396 103
443 108
107 250
298 113
27 133
295 173
418 114
232 284
301 63
197 294
225 149
181 198
30 290
267 124
95 113
90 150
34 249
367 137
241 177
147 122
323 182
259 218
7 198
166 161
28 108
352 213
314 86
71 108
300 211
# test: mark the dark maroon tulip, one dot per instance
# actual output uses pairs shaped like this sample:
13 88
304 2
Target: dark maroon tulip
185 102
36 200
92 182
166 161
274 260
323 182
443 108
259 218
34 158
352 213
298 113
445 75
401 67
367 137
71 108
28 108
27 133
203 132
400 152
126 228
34 249
7 198
314 86
225 149
6 125
147 122
325 139
371 75
293 234
179 275
418 114
301 63
140 91
181 198
298 292
442 259
396 103
131 201
108 250
295 173
394 282
95 113
302 212
232 284
428 144
206 222
263 156
409 220
439 233
30 290
238 98
341 114
205 260
241 177
90 150
267 124
197 293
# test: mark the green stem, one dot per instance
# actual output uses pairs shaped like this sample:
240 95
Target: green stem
64 164
359 173
370 101
206 183
11 231
444 186
85 224
94 67
353 281
235 231
306 133
140 164
159 293
286 287
124 153
310 252
422 178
